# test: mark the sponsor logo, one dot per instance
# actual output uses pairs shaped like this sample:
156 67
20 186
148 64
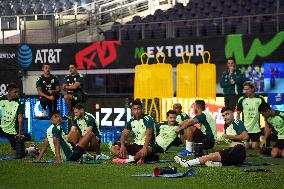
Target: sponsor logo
51 56
106 52
234 47
7 55
3 89
25 56
170 50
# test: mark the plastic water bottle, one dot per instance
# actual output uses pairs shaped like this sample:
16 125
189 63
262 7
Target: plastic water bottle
213 164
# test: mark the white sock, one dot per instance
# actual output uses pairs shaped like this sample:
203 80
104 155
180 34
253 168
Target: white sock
193 162
130 159
188 146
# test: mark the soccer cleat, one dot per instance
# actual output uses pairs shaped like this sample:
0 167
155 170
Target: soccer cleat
102 157
184 153
119 161
180 161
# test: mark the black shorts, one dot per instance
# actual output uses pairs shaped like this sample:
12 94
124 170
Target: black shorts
157 149
279 144
76 154
254 137
10 137
132 149
199 137
233 156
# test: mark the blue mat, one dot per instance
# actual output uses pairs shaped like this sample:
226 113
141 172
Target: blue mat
3 158
247 164
160 161
188 173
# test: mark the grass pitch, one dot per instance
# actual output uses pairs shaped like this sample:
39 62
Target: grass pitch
24 174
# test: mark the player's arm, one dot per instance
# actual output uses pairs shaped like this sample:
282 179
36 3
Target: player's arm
267 133
40 93
238 78
42 150
225 83
76 85
242 137
122 151
56 142
187 123
57 87
238 115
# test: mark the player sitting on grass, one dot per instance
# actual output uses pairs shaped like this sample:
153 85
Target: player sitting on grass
57 140
204 135
12 109
273 118
235 134
166 132
82 123
143 127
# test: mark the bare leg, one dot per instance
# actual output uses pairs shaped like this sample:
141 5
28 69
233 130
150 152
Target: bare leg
210 157
255 145
138 156
115 150
85 140
275 152
282 153
67 99
188 133
95 145
73 137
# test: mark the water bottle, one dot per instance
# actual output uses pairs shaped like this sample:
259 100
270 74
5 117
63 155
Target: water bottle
164 170
213 164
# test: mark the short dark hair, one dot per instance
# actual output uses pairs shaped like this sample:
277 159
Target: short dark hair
226 108
45 64
137 101
75 65
231 58
200 104
171 112
54 112
12 86
250 84
79 106
263 107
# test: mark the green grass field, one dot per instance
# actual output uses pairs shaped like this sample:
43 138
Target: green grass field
24 174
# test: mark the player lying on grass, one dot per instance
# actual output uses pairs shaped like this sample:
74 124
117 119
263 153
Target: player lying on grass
142 126
273 118
83 123
12 108
56 138
190 133
235 134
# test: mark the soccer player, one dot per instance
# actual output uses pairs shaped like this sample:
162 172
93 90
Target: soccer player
48 89
206 133
73 85
83 123
12 108
181 116
235 135
60 147
143 127
248 106
166 132
273 118
232 83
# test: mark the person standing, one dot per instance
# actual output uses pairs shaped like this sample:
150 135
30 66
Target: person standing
232 84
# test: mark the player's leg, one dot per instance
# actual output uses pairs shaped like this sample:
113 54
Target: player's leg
139 156
74 136
68 101
215 157
188 138
277 149
282 153
255 139
115 150
95 145
44 103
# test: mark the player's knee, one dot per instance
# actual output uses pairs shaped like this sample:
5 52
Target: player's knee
67 97
282 153
274 152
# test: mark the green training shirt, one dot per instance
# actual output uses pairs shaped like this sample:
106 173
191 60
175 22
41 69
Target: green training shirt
205 126
167 134
181 117
250 115
77 94
10 111
47 83
235 128
278 123
88 120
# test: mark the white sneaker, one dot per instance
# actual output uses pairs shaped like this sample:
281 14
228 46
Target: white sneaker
102 157
213 164
182 162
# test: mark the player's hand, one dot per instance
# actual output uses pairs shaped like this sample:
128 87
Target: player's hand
122 151
51 97
225 136
63 87
49 91
232 81
143 152
263 143
20 136
58 161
